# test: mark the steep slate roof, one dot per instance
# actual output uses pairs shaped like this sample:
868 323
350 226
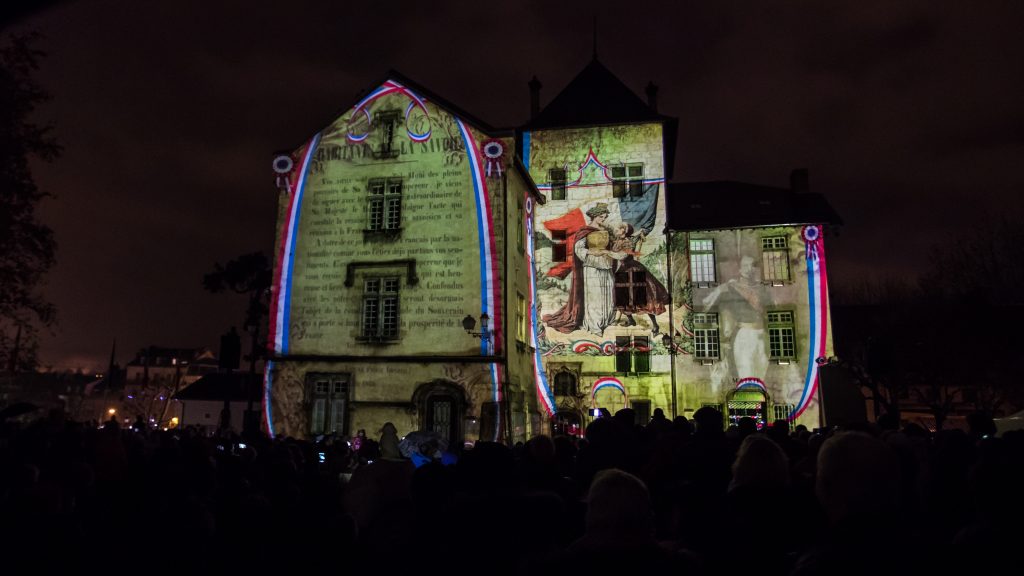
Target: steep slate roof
596 97
727 204
213 387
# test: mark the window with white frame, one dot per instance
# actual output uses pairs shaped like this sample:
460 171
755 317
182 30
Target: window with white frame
628 180
774 259
558 180
380 309
781 336
705 336
384 209
702 260
328 403
782 411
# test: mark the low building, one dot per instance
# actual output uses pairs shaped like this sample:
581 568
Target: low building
201 404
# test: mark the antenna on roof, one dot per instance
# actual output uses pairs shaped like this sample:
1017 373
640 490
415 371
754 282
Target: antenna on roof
595 36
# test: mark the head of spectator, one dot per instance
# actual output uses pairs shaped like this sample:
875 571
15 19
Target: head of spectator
709 421
858 478
760 463
618 504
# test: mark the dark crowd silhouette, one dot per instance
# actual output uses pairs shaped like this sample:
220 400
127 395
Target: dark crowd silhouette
671 497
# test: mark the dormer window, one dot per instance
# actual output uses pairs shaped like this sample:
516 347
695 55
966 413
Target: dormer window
386 123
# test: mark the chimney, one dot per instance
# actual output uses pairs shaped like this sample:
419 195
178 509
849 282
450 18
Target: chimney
535 87
652 95
798 181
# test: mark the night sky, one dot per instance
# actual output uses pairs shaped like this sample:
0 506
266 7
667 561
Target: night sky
908 117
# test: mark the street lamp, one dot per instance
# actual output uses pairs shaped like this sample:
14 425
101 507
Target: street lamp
469 323
669 343
485 328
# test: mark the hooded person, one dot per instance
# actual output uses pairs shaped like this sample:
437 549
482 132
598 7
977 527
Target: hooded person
389 442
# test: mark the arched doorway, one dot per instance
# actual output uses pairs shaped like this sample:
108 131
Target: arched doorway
748 400
442 407
567 422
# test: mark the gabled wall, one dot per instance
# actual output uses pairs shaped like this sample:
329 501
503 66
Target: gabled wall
449 255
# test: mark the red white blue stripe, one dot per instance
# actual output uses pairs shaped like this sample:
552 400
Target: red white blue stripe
490 297
817 296
591 159
496 382
389 87
608 382
747 383
268 380
544 394
281 291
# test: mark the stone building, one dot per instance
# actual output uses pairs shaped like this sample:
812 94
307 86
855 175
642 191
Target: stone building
400 285
407 224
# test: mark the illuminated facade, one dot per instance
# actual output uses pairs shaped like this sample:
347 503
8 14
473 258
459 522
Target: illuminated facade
396 222
752 298
406 215
731 312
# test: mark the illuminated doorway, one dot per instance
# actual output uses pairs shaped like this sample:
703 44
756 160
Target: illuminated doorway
748 400
567 423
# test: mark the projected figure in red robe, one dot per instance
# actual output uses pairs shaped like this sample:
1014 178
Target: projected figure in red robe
591 303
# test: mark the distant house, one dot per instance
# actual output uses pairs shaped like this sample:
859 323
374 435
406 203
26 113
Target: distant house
45 390
155 374
202 402
933 363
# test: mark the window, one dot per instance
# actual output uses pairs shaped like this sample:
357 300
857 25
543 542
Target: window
559 252
387 121
380 309
557 177
520 318
631 288
328 402
775 259
781 337
520 227
782 411
385 204
628 180
705 336
632 354
641 354
565 384
702 260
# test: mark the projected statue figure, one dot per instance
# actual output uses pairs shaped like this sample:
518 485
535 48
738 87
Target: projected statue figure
742 301
591 303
